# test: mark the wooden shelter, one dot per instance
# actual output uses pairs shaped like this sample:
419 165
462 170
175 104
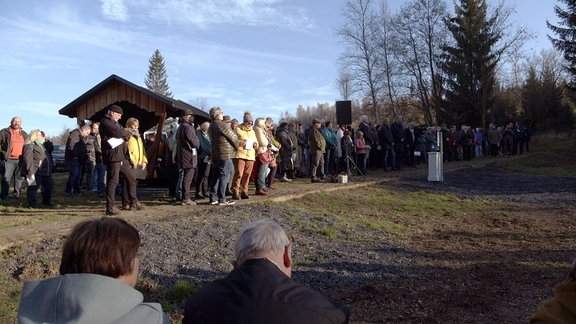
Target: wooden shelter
151 109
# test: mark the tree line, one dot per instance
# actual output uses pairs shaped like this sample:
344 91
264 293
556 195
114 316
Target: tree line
465 68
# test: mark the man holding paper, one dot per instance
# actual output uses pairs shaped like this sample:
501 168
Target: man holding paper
187 153
115 157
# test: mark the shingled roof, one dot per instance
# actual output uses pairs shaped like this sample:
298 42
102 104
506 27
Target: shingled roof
145 105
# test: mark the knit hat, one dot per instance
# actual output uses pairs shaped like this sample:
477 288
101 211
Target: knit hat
248 117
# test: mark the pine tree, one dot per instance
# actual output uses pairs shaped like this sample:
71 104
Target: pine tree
566 31
157 79
469 64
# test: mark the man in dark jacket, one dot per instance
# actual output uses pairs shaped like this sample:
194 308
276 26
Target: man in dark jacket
187 153
259 289
224 144
115 156
76 157
387 143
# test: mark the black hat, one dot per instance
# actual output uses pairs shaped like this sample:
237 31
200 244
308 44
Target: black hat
186 112
116 109
316 121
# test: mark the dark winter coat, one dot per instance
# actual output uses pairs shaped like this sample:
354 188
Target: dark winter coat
187 146
34 161
112 129
76 148
259 292
386 138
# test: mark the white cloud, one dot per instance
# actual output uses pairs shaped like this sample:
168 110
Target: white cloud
205 14
115 10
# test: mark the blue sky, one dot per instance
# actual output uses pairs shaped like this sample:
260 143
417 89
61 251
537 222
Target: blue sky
266 56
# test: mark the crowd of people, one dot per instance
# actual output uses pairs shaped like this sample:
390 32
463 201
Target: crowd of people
217 160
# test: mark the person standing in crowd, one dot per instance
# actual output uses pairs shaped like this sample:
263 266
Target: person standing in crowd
296 154
493 140
98 272
287 150
370 140
244 158
330 138
99 172
76 156
204 161
339 163
362 150
317 149
399 136
12 140
224 144
347 147
263 154
478 140
115 156
260 287
187 154
304 161
274 149
467 142
387 143
138 160
507 140
47 185
411 135
37 169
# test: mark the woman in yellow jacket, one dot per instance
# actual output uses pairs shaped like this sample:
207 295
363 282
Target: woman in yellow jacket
137 154
244 158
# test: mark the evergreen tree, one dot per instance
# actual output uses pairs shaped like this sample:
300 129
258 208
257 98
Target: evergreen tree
469 64
157 79
566 31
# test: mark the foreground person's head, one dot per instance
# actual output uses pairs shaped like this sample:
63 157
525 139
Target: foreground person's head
106 246
264 239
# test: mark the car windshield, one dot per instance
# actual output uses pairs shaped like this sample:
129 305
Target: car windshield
59 148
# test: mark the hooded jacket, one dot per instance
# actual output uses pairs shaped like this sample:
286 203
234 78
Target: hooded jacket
85 298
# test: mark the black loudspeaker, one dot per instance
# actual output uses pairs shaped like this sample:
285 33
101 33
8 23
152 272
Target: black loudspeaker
344 112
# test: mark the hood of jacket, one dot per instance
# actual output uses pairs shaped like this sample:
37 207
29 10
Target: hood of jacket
85 298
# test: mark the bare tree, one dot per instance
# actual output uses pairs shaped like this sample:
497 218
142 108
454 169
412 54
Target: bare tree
420 33
361 49
385 66
200 103
345 85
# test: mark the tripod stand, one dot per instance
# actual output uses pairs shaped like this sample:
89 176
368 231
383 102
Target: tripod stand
355 166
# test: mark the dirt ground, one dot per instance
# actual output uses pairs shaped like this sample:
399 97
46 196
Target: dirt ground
466 267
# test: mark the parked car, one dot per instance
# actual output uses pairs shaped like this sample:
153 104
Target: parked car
58 153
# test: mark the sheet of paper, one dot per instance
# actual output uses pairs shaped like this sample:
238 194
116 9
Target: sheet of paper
31 181
114 141
249 144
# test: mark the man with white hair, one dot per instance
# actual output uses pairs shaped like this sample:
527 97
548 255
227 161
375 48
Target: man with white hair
259 289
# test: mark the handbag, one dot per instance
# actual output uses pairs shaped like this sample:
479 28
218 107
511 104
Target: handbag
265 157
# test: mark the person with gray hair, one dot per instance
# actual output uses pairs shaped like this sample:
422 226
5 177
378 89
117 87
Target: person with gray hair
224 143
260 288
